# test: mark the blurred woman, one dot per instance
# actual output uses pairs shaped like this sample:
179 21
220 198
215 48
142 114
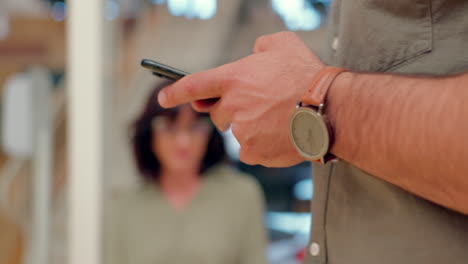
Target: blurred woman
192 208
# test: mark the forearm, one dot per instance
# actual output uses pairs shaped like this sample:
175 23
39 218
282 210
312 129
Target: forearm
412 132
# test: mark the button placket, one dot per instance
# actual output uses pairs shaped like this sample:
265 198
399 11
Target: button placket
317 250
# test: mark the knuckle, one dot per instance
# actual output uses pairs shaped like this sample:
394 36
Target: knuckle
261 39
264 41
260 42
287 35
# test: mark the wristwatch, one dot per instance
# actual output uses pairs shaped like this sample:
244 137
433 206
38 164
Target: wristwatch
309 129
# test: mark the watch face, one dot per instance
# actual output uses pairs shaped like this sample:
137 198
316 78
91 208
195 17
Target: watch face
309 133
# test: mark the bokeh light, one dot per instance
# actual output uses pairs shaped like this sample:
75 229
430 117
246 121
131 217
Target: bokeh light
112 10
289 222
304 190
59 11
297 14
190 9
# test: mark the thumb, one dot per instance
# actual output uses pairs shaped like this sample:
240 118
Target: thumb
193 87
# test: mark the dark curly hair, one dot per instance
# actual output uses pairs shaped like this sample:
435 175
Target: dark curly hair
142 134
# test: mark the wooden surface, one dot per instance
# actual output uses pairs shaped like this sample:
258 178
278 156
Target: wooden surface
32 41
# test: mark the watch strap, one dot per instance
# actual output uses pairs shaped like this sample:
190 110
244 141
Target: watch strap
320 85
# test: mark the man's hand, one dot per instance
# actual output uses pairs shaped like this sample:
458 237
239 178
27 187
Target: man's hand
257 96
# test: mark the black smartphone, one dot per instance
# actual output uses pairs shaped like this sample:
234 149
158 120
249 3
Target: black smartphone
173 74
163 71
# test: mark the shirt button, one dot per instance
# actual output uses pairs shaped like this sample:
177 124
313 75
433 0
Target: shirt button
314 249
335 43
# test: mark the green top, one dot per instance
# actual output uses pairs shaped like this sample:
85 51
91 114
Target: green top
222 224
358 218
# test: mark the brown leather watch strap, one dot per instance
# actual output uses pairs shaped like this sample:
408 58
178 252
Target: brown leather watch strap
320 85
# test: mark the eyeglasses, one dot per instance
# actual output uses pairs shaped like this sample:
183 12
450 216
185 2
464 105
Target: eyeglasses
164 126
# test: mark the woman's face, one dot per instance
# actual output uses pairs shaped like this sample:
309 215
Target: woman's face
181 144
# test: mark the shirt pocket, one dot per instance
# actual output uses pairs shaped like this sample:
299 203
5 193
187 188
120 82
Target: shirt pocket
379 35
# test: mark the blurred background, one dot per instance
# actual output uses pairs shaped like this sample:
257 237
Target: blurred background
192 35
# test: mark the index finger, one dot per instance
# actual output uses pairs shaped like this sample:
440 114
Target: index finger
193 87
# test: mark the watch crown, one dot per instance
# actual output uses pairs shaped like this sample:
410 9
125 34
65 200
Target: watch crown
299 103
320 108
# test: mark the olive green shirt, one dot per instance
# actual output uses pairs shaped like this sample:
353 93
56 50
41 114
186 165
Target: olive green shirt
358 218
223 224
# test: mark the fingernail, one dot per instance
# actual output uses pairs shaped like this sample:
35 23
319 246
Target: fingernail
162 98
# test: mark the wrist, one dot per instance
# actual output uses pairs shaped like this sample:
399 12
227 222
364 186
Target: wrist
338 101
